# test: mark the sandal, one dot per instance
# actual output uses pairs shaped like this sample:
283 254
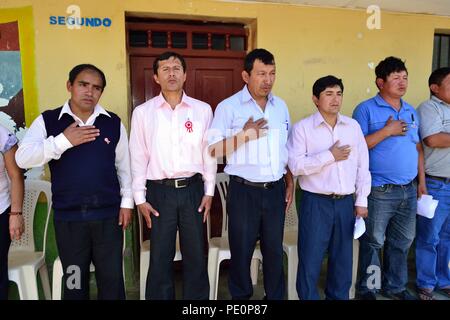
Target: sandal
425 294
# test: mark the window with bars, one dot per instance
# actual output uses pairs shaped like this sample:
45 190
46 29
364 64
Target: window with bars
195 39
441 51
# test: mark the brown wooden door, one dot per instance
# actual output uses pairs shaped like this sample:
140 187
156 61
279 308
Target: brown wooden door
208 79
214 66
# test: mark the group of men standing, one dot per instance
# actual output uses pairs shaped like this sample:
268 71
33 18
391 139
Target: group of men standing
371 167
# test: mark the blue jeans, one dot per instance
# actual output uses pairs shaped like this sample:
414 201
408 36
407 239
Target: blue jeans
392 223
433 240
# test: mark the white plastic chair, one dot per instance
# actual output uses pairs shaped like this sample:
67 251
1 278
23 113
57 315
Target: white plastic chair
355 268
145 256
290 247
219 248
23 260
57 274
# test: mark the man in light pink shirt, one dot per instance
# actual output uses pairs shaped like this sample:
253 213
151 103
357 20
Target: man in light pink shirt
328 152
173 179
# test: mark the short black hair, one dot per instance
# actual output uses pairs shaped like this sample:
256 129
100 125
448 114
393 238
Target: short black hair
86 66
326 82
258 54
438 75
165 56
388 66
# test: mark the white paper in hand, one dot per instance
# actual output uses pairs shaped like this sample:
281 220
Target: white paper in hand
426 206
360 228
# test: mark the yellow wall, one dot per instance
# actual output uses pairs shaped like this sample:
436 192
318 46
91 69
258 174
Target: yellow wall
308 42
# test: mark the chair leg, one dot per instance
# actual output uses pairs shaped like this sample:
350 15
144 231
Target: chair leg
254 269
124 279
28 286
19 278
43 273
57 280
292 273
213 272
354 268
143 271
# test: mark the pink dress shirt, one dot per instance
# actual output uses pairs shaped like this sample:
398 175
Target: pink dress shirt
310 158
166 143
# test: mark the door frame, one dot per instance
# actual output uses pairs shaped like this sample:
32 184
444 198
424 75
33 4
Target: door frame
247 29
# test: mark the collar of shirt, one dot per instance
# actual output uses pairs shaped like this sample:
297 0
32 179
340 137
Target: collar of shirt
161 102
97 111
436 99
246 96
318 119
382 103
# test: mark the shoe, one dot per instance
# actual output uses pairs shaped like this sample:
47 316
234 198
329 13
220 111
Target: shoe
402 295
369 295
425 294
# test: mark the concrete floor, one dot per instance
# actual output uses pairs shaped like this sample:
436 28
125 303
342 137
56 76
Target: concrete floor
258 290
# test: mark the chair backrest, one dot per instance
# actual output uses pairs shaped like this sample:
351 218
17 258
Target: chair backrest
33 188
291 219
222 181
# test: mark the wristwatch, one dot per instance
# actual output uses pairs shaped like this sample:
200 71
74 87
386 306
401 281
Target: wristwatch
15 213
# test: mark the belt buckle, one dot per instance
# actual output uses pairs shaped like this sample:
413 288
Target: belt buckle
177 185
268 185
336 196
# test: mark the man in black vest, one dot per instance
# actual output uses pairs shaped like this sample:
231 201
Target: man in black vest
86 148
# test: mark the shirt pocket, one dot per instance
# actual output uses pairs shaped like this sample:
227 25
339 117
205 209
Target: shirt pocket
237 125
284 131
375 126
413 132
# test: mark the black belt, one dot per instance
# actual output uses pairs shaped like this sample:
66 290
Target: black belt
333 196
398 185
336 196
264 185
179 182
446 180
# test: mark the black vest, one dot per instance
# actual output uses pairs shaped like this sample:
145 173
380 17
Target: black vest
84 180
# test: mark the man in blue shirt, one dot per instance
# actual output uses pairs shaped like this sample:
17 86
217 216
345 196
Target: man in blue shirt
391 128
251 129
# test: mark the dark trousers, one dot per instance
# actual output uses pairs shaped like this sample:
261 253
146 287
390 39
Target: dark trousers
178 209
256 212
99 241
5 241
325 225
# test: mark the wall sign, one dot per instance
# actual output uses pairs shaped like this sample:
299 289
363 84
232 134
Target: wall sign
75 21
